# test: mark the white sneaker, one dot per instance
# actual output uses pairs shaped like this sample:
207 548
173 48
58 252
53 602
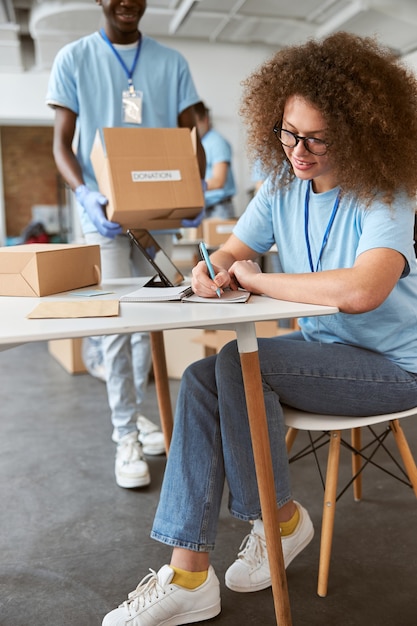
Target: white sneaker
250 571
156 602
150 436
130 467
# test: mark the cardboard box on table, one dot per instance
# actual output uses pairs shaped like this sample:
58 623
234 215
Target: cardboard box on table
45 269
149 175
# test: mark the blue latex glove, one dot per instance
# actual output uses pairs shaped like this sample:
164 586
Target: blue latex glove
94 203
197 220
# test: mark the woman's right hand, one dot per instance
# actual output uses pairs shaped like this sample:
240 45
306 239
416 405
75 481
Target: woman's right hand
203 285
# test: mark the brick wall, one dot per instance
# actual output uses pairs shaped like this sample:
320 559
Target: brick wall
30 176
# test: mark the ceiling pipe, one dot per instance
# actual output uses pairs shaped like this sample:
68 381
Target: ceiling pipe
181 15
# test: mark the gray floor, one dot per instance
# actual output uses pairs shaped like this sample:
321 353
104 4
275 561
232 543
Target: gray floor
72 543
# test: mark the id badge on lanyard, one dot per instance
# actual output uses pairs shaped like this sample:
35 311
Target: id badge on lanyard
131 98
132 106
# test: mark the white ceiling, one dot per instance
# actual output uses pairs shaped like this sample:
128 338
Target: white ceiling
31 31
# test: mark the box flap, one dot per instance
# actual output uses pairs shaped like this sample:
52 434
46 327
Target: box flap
193 135
102 166
30 274
15 285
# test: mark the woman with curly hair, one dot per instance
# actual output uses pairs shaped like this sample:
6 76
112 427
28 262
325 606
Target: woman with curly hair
334 124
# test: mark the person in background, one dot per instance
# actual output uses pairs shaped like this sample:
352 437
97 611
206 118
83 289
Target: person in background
257 178
118 77
415 234
220 183
334 122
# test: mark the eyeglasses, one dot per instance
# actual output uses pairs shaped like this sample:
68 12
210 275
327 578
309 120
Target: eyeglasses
290 140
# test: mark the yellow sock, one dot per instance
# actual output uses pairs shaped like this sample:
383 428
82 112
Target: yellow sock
189 580
287 528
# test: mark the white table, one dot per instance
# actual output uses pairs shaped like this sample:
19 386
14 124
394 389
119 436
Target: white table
16 329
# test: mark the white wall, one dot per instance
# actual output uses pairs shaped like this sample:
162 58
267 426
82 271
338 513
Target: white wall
217 70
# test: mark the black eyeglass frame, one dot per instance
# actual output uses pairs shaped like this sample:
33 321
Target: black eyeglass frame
297 138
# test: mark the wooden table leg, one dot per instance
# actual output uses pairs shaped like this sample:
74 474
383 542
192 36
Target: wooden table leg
248 349
162 385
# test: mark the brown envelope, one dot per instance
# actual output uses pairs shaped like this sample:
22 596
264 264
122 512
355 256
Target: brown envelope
91 308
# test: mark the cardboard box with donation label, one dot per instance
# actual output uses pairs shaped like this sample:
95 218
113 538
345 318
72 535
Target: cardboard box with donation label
42 269
150 176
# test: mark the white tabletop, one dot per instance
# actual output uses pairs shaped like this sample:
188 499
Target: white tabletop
15 328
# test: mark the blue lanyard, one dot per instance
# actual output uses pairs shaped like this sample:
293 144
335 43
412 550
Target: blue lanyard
327 232
129 73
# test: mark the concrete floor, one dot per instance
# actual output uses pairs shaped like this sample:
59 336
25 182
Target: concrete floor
72 543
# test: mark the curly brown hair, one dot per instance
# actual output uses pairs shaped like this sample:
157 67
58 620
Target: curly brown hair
367 98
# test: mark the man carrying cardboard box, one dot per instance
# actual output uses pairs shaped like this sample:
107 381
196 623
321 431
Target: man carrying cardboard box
118 77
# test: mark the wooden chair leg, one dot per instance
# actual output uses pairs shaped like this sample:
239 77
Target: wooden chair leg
356 441
290 438
405 452
329 507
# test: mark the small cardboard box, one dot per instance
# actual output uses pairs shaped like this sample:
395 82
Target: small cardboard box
149 175
181 350
68 352
44 269
214 340
184 346
192 233
217 231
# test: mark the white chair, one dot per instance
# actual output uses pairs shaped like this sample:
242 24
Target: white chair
330 428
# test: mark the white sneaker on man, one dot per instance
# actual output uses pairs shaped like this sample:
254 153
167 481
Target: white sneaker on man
151 438
131 469
156 600
250 571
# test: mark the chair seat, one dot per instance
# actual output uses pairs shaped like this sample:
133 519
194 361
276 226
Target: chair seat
303 420
331 426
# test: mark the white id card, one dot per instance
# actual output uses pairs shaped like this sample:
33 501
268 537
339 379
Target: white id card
132 107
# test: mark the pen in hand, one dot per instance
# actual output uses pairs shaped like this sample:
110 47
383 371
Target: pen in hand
206 259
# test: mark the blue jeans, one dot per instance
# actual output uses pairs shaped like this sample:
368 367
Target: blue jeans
127 358
211 441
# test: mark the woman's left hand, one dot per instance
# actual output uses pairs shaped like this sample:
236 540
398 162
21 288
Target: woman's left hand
244 273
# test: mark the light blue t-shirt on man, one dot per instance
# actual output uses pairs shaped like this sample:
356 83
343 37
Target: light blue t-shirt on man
278 217
86 73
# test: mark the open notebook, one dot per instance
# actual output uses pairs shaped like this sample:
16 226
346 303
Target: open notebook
182 293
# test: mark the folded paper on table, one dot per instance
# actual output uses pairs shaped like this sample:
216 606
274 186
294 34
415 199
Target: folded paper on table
90 308
183 293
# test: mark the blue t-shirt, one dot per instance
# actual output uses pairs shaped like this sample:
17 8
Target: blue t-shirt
88 79
278 217
218 150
